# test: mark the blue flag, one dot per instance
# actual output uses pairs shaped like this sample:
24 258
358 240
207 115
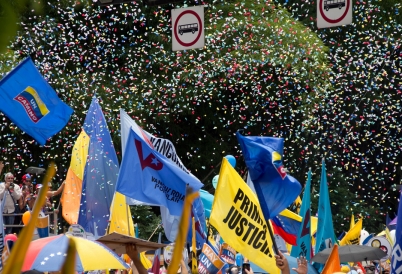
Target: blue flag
325 237
275 189
303 247
100 173
31 103
396 260
197 211
148 176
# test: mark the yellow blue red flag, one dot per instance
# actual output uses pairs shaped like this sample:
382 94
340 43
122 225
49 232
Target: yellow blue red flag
275 189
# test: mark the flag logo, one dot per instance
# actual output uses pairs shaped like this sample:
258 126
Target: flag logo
151 161
33 105
277 162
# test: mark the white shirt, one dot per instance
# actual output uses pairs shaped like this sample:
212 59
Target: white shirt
9 205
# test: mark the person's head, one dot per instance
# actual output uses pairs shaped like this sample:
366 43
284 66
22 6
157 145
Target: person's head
38 187
25 190
233 269
31 200
370 269
8 177
27 179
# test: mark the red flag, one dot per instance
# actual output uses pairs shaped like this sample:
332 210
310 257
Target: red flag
156 264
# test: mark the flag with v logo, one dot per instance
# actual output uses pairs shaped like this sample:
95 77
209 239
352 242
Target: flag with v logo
148 176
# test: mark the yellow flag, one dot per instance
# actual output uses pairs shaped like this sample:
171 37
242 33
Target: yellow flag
120 216
333 263
182 233
237 215
313 229
388 236
352 222
353 235
14 263
194 265
69 262
298 203
71 195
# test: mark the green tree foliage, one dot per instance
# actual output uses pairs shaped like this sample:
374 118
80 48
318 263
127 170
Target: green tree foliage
149 224
357 121
344 203
262 71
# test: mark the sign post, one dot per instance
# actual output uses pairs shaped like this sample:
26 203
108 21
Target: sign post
77 231
331 13
188 28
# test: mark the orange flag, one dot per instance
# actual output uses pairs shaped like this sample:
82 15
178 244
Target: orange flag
333 263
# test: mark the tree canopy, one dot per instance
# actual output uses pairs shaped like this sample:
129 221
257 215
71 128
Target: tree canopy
266 69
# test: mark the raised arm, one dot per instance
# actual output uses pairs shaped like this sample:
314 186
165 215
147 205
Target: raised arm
132 252
301 266
57 192
282 263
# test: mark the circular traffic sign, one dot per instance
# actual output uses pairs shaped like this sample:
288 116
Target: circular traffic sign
200 28
336 20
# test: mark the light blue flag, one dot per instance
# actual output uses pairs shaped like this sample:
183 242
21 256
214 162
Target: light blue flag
275 189
31 103
207 200
148 176
198 212
396 260
303 247
325 236
100 173
171 223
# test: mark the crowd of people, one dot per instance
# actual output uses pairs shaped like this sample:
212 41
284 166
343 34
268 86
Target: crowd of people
19 198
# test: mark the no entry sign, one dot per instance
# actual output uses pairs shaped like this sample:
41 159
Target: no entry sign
331 13
188 28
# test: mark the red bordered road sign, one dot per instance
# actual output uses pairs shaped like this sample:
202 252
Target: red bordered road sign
331 13
188 28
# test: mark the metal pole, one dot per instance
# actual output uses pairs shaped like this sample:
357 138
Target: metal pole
55 215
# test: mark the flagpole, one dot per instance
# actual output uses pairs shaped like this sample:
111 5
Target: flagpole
273 239
208 231
128 220
269 228
153 232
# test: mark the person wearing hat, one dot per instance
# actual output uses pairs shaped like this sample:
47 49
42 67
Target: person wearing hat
12 193
27 180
